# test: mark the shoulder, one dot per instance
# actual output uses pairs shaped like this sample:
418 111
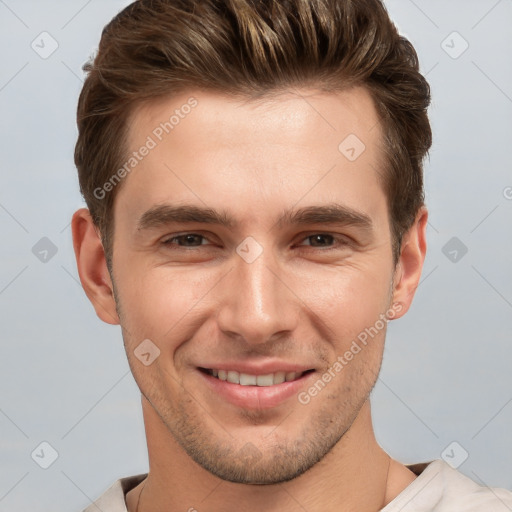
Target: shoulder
113 499
463 493
441 488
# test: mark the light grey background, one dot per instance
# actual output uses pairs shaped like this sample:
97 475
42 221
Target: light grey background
64 378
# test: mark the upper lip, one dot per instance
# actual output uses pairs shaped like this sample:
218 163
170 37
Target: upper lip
257 368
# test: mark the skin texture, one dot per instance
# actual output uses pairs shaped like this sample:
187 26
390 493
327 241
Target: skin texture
303 300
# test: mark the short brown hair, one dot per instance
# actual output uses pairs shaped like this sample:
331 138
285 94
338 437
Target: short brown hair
155 48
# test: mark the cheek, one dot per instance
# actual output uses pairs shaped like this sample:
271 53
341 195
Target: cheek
171 303
156 301
349 298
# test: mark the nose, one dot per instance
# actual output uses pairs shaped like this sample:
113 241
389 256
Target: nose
258 303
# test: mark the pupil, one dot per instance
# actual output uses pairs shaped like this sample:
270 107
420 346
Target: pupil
191 239
320 238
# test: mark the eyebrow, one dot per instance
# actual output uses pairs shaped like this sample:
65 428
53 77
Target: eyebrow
331 214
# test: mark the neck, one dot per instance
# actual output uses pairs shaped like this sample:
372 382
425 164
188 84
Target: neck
355 475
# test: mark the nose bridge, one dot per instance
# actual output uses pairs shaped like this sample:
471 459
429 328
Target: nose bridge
257 305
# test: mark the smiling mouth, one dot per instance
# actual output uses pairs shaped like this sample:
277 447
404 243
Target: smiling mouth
245 379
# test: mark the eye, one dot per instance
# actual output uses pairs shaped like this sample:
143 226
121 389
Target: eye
186 240
320 240
325 241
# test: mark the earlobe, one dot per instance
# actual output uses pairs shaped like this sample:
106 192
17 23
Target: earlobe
410 264
92 266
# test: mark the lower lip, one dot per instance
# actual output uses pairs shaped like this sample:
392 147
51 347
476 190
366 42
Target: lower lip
256 397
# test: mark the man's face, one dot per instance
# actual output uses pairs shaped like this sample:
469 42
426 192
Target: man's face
270 294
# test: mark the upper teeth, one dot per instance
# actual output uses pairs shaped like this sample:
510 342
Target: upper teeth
245 379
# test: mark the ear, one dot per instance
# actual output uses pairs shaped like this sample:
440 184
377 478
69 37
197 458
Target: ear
92 266
410 264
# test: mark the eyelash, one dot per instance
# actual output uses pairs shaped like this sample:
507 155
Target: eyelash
341 241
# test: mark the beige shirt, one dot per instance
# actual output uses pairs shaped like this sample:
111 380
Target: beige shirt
438 488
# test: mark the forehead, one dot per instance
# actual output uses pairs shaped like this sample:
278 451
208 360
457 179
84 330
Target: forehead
297 145
293 112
